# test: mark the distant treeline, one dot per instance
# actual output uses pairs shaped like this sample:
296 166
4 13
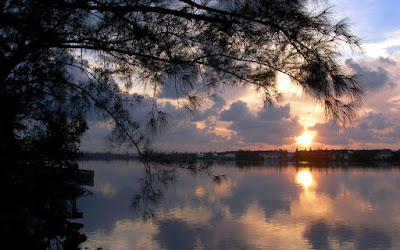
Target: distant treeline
107 156
319 155
347 155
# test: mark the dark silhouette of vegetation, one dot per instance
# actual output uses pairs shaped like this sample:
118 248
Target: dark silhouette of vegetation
395 157
344 155
62 59
108 156
38 205
247 155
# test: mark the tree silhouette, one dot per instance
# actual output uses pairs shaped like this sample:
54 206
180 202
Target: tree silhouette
60 59
39 208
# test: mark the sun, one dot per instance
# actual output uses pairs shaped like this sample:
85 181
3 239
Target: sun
306 138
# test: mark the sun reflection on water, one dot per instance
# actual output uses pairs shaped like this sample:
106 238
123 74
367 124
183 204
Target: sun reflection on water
262 207
304 178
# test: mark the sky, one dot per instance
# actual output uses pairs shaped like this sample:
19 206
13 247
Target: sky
295 122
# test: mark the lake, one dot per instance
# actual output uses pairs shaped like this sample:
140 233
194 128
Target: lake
256 207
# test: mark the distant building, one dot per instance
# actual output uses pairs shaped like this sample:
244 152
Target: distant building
230 155
339 155
200 155
215 155
384 154
134 155
272 156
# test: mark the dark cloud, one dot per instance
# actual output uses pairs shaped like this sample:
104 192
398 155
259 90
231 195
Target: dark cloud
328 134
218 104
236 112
188 133
274 114
181 134
376 121
374 239
387 61
271 202
180 82
392 49
170 91
169 230
272 126
317 234
320 234
179 235
184 134
371 79
343 233
372 128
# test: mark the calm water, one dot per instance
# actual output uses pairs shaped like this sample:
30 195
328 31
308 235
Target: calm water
263 207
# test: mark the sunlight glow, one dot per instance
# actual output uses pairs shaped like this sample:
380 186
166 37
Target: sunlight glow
285 86
200 192
305 139
304 178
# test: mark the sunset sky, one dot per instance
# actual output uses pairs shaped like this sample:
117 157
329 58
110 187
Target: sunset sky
236 119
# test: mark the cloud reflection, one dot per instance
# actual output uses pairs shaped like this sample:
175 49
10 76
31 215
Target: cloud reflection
270 207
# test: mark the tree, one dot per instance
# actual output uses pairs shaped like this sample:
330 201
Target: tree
45 44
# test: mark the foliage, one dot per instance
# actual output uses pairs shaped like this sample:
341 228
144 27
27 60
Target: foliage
39 207
62 59
247 155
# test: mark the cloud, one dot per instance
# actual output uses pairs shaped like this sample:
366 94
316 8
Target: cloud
385 46
125 234
376 121
273 126
274 114
373 128
387 61
328 134
224 123
379 123
237 111
182 134
382 98
319 234
373 238
188 133
371 79
94 140
214 128
180 82
218 104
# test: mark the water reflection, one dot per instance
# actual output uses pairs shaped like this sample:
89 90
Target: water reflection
304 178
39 205
279 207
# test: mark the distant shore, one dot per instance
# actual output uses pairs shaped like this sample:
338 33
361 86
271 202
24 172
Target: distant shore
316 156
